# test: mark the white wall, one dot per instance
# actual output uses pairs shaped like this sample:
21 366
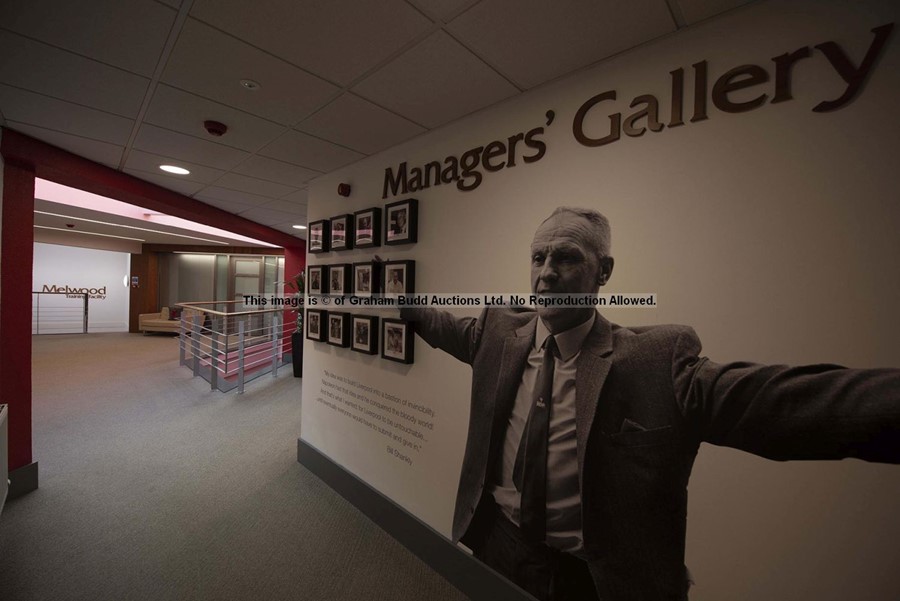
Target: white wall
773 232
77 268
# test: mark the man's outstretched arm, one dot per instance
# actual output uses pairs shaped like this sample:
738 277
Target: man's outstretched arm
782 412
458 336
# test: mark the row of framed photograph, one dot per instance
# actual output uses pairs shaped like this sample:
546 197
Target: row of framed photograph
362 229
361 333
362 279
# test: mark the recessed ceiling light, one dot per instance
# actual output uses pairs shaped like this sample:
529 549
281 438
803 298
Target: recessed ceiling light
299 227
174 169
249 84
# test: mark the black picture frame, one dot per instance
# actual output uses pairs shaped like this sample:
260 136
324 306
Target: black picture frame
405 283
367 228
342 232
314 325
397 341
339 279
401 222
363 284
364 334
338 329
319 236
317 279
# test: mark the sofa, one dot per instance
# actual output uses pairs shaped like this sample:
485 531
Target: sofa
159 322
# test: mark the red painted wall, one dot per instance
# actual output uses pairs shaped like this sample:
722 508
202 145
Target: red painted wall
16 255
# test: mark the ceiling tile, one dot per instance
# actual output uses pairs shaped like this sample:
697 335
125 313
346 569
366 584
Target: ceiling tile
129 34
289 229
172 183
339 40
307 151
288 207
43 111
358 124
300 196
435 82
242 183
533 41
187 148
443 9
183 112
225 205
276 171
267 216
99 152
40 68
149 163
697 10
211 64
224 194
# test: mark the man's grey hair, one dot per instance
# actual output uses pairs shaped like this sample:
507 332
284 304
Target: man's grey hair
603 234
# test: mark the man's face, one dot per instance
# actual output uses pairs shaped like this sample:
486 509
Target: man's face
564 259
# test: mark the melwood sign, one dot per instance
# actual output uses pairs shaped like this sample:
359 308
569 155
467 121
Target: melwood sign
72 292
466 171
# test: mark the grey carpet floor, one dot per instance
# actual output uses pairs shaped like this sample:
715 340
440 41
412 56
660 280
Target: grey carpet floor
153 487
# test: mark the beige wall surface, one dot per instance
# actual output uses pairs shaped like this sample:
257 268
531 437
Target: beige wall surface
773 232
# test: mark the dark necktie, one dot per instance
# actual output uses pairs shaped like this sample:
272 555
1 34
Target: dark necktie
530 469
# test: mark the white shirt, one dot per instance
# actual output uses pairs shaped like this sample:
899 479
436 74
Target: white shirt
564 529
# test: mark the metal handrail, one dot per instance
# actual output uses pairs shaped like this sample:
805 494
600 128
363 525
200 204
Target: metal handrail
196 305
222 346
36 308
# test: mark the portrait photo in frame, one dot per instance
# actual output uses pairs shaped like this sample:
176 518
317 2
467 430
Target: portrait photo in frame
401 221
366 278
399 277
317 276
319 236
397 340
339 279
364 334
338 325
342 232
367 228
315 325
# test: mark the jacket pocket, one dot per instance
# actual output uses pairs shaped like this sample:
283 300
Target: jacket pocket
643 438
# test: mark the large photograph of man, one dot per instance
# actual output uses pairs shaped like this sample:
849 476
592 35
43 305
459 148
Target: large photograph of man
582 434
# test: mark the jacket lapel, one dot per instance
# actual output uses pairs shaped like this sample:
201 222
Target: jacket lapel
512 365
592 367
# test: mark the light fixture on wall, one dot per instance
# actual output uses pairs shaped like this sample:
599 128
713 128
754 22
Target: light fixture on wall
299 227
174 169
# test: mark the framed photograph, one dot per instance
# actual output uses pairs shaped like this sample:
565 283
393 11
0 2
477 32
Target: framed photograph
339 279
342 232
366 278
401 221
364 334
397 340
338 329
317 279
315 325
399 277
367 228
319 236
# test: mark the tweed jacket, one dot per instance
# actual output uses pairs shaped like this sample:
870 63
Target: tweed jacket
645 400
